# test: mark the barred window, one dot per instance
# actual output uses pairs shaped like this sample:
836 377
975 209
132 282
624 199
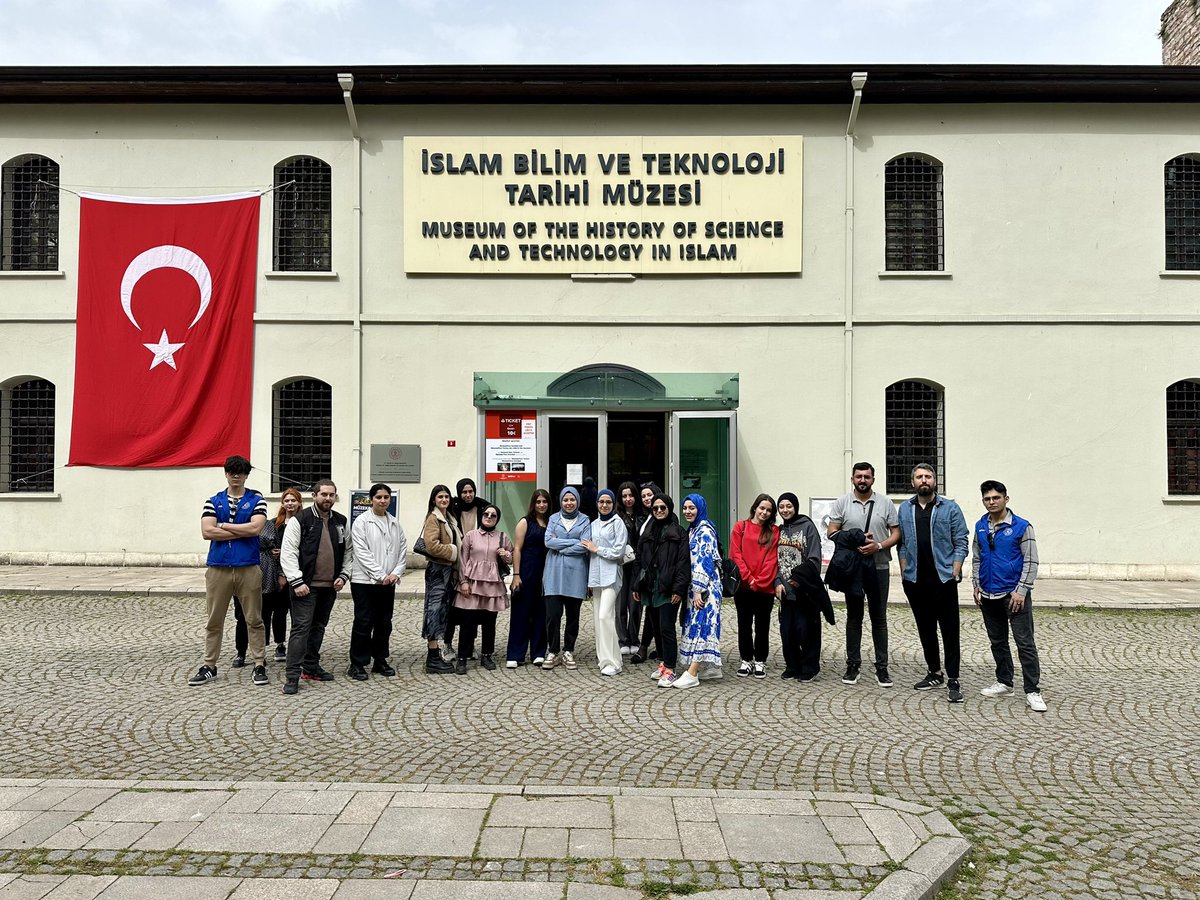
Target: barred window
1181 181
1183 437
29 214
915 431
301 433
913 214
27 436
303 222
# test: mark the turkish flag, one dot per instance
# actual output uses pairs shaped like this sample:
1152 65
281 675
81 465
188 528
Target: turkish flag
164 335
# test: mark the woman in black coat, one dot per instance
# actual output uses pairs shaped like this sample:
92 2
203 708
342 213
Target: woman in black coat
664 573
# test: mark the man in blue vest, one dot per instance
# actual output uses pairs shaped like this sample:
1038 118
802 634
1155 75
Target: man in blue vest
1003 567
230 522
315 559
932 549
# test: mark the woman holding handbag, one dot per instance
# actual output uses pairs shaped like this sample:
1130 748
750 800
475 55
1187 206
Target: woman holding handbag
481 593
527 620
754 546
607 546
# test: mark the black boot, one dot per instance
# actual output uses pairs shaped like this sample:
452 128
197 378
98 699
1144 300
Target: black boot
435 665
460 667
487 662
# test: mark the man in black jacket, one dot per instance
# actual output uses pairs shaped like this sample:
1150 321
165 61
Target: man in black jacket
315 558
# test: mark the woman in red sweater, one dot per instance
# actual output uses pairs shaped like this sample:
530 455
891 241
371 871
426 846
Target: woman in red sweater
754 547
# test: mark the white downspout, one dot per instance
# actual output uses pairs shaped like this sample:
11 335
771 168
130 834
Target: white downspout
346 81
857 81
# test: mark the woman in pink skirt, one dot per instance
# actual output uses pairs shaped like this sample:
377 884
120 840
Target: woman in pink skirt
481 591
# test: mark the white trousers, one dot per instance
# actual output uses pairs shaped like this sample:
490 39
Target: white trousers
604 608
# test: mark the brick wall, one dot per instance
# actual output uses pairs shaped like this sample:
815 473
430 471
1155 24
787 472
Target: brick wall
1180 33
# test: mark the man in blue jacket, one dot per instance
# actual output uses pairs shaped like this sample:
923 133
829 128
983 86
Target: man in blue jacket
932 549
230 522
1004 564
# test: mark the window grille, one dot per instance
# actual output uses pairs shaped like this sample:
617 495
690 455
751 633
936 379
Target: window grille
1181 179
29 214
913 215
915 432
1183 438
27 437
303 221
301 434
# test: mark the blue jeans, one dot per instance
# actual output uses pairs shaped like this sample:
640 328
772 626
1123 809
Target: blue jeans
876 603
998 620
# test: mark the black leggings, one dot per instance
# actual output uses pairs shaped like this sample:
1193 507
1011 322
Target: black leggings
754 623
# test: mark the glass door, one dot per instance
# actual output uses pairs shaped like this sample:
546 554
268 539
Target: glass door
573 449
704 461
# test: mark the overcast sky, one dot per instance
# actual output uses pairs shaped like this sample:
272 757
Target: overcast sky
398 32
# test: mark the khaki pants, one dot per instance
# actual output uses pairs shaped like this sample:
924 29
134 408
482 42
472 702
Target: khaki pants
222 584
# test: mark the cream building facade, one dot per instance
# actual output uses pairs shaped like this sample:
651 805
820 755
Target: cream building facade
1035 320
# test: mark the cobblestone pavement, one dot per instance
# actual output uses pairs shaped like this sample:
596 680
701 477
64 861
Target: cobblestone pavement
1099 797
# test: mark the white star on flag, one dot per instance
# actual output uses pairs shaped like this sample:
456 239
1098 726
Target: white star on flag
164 351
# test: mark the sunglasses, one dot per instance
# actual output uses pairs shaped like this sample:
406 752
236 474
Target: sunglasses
658 508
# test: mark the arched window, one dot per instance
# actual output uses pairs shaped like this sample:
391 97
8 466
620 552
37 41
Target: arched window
29 214
1183 437
303 221
27 435
912 187
301 433
915 413
1181 182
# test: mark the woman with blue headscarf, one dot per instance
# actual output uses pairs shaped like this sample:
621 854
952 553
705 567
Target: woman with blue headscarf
607 546
565 579
700 644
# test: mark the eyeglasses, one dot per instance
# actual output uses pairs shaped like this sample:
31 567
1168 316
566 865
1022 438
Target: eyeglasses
658 507
489 515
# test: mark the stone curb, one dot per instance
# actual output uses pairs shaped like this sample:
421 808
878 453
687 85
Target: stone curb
924 872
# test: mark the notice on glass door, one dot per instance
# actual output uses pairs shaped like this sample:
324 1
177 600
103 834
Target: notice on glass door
510 445
574 473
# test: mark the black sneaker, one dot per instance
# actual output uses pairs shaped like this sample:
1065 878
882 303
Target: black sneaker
487 662
291 686
851 676
882 678
358 673
382 668
930 681
460 667
954 693
280 653
238 661
260 676
204 676
319 675
788 673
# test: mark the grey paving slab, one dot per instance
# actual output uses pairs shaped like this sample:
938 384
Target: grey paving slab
760 806
832 808
12 795
12 819
75 835
578 890
440 800
501 843
694 809
902 885
165 835
307 802
32 887
285 889
486 890
702 840
364 808
82 887
645 817
732 894
392 889
342 838
86 799
177 784
849 830
6 877
891 831
778 839
646 848
245 801
548 843
804 894
412 832
590 843
552 812
865 854
44 798
34 832
160 806
176 887
119 836
251 833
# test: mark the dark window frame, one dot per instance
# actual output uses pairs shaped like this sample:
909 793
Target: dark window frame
914 214
914 431
1183 437
27 410
29 214
1181 213
303 215
301 433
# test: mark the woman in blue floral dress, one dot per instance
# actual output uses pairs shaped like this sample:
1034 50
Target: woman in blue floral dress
700 646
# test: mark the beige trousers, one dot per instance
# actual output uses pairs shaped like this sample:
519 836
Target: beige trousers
222 584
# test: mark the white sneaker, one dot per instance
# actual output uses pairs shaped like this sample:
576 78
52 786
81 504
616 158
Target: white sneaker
685 680
711 673
745 668
549 662
511 664
569 659
668 678
626 651
448 654
609 670
760 670
539 660
996 690
1035 701
658 673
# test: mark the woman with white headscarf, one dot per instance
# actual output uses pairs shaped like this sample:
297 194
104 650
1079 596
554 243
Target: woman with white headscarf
607 546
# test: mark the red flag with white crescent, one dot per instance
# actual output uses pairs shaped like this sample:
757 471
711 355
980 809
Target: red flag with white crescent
164 335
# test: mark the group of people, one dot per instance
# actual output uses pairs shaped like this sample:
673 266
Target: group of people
657 584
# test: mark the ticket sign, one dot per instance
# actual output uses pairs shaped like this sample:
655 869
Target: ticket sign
510 445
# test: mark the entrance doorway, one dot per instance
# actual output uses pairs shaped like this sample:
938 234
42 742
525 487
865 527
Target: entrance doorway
637 448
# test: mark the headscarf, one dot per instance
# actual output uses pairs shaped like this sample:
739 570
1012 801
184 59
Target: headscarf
658 526
611 496
701 510
492 527
788 495
562 515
